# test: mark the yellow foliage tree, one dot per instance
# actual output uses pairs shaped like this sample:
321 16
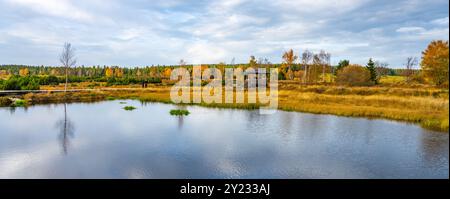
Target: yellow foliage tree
24 72
54 72
138 73
3 73
109 72
435 62
153 72
118 72
288 59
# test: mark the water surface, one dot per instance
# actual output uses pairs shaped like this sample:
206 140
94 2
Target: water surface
101 140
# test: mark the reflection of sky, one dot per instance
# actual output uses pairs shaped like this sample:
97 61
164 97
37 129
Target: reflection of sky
148 142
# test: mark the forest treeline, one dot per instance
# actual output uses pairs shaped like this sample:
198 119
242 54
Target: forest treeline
307 67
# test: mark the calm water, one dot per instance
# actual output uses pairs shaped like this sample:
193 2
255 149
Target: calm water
102 140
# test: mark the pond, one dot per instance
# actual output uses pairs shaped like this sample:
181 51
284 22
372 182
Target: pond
102 140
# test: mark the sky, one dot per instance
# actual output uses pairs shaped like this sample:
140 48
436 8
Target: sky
141 33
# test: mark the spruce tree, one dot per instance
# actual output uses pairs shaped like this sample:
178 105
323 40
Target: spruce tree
373 73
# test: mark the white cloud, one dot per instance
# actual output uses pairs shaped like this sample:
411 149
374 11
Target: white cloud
58 8
324 7
420 33
131 33
441 21
204 52
410 29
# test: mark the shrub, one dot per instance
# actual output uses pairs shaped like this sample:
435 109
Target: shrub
19 103
21 83
4 101
354 75
49 80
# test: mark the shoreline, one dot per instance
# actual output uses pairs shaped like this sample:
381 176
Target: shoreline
426 111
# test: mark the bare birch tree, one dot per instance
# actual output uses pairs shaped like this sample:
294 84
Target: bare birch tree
327 60
411 62
322 61
67 59
306 59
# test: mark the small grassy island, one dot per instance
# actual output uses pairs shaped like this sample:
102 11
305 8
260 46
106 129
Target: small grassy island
129 108
19 103
179 112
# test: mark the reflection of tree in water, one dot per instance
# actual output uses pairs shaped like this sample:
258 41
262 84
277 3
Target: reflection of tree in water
12 110
66 129
180 117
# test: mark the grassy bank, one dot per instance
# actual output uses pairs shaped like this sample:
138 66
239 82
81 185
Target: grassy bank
427 106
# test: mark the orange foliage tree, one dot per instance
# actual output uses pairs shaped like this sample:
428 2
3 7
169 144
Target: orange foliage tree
435 62
24 72
288 59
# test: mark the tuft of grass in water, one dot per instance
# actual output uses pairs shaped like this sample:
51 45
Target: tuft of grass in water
179 112
129 108
19 103
122 102
110 98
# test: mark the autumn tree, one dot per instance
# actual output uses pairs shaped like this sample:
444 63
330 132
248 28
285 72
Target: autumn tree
342 64
435 62
109 72
54 72
289 59
24 72
153 72
354 75
118 72
138 73
3 74
167 73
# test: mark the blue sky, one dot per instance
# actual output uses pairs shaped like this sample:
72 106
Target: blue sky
139 32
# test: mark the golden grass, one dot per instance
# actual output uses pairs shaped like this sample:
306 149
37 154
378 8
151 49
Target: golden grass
424 105
388 79
429 112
